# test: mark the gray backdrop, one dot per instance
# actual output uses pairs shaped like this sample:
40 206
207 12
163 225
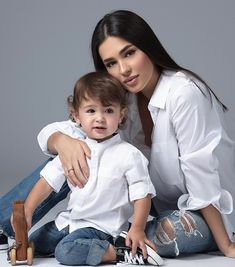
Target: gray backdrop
45 48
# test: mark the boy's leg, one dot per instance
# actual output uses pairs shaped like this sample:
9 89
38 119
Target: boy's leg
85 246
46 238
20 192
177 232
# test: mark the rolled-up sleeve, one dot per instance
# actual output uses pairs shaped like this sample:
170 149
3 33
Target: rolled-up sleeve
66 127
199 132
53 174
138 178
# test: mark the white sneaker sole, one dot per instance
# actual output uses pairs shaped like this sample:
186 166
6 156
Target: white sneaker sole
153 257
4 247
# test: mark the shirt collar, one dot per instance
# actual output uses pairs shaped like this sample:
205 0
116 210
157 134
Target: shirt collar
160 94
109 142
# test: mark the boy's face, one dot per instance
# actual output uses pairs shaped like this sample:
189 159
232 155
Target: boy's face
97 121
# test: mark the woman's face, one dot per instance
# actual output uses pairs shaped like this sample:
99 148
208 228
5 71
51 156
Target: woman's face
129 65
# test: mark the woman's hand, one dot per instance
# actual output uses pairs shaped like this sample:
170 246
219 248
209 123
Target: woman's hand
72 153
230 250
215 222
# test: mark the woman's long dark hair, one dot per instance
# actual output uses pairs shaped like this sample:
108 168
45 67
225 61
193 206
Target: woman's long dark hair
131 27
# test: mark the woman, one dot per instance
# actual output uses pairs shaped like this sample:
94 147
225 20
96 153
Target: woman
177 121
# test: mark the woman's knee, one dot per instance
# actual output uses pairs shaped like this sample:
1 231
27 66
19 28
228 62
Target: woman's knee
167 227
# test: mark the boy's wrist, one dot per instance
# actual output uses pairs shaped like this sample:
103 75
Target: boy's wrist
28 210
137 227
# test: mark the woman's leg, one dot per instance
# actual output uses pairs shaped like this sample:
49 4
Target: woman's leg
46 238
20 192
85 246
177 232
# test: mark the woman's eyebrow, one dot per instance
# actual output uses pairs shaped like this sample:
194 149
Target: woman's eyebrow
120 52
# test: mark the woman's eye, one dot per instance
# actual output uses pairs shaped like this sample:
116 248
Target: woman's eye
109 64
129 53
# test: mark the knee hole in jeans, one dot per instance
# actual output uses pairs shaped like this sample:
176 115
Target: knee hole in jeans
165 232
168 228
188 223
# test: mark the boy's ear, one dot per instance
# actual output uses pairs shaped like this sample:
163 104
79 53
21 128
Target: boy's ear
123 114
76 117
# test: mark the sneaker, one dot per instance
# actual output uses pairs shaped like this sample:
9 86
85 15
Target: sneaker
3 241
124 253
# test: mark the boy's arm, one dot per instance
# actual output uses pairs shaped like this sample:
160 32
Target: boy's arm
214 220
136 236
40 192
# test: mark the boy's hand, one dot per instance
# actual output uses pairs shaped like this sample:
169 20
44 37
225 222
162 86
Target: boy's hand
12 225
28 217
137 238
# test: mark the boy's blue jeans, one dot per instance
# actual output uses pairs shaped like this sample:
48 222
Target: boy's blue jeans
173 232
85 246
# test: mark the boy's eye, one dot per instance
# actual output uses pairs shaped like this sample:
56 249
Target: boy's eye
90 110
109 110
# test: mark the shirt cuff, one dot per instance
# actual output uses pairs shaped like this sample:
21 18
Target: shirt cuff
222 202
141 190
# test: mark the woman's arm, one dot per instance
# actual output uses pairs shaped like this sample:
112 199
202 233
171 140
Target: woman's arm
62 138
136 236
214 220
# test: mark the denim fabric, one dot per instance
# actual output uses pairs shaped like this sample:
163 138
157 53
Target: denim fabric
198 239
85 246
20 192
190 233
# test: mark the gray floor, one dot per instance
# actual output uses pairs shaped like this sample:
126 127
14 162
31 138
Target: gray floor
199 260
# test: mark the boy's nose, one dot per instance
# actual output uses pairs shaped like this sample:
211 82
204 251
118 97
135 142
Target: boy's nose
100 117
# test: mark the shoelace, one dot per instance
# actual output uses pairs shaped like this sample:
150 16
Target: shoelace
133 260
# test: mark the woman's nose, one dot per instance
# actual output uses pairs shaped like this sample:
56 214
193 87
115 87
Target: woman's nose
124 68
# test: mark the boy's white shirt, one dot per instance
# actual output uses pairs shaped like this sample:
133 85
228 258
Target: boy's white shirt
118 176
192 158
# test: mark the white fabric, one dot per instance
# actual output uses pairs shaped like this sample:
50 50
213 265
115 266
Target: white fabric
192 160
118 176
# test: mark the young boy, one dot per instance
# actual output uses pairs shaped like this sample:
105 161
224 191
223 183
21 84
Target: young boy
119 186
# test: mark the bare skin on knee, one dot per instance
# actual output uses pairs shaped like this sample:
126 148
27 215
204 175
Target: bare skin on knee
168 228
188 223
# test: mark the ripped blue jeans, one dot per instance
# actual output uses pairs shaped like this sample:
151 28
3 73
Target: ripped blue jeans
85 246
176 232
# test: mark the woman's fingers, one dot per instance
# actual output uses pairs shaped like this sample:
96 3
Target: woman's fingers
75 165
74 180
83 161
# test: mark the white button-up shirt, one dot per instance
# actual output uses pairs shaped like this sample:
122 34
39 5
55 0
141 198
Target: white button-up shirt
118 176
192 160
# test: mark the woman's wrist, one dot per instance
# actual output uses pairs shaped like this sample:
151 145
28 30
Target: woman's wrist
55 141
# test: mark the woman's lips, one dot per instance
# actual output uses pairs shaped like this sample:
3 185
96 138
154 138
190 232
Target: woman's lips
131 80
